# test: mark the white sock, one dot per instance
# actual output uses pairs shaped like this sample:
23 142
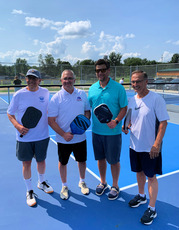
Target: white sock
41 177
65 184
82 180
152 208
28 183
142 195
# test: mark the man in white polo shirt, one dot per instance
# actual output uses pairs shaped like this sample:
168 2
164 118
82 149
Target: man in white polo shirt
64 106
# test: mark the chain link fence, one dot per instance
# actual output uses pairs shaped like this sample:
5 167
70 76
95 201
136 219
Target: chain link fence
86 74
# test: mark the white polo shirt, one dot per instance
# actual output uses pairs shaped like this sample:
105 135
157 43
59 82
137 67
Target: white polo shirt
39 99
65 107
146 113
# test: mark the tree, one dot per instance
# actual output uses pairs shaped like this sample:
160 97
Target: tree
47 65
175 58
132 61
115 59
87 62
21 66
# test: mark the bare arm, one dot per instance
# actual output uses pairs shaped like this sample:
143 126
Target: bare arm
112 124
154 152
53 124
88 114
18 126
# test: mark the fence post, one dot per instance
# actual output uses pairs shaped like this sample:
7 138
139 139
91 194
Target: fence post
8 95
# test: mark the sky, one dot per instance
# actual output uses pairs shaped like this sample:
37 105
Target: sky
75 30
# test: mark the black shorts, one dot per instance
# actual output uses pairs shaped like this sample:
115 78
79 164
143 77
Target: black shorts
25 151
79 150
140 161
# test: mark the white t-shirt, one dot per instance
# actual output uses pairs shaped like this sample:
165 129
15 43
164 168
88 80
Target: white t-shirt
121 81
146 112
65 107
39 99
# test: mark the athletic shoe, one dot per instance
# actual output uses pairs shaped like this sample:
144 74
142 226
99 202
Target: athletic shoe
101 188
30 198
64 193
137 200
148 216
45 187
114 193
84 188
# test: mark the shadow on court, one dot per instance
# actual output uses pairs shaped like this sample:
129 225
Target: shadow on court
79 212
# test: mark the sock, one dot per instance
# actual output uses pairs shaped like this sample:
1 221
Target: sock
41 177
64 184
82 180
152 208
142 195
28 183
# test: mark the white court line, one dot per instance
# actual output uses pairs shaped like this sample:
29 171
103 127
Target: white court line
125 187
87 169
3 100
158 177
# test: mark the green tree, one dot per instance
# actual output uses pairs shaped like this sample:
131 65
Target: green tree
21 66
115 59
132 61
87 62
175 58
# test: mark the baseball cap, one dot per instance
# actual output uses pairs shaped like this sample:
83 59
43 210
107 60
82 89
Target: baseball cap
33 72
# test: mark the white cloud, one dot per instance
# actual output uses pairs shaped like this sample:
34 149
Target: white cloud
14 11
117 48
172 42
129 36
71 59
14 54
166 56
168 41
56 48
176 43
67 30
35 42
91 51
75 30
38 22
126 55
87 47
111 38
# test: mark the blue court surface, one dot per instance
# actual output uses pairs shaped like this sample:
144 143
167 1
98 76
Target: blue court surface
83 212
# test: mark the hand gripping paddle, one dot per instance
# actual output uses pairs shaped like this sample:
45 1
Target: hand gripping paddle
127 119
80 124
103 113
31 118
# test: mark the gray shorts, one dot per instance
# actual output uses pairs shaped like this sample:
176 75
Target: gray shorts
107 147
25 151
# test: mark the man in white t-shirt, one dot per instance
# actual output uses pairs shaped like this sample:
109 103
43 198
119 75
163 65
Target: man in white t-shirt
121 81
64 106
148 124
31 142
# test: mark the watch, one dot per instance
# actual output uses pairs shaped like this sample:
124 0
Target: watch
116 121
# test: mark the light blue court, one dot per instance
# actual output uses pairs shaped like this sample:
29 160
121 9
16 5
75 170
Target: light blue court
83 212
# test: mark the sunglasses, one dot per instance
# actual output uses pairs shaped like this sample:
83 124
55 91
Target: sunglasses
100 70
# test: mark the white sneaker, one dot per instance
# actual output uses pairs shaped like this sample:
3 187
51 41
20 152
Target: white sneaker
84 188
30 198
64 193
45 187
